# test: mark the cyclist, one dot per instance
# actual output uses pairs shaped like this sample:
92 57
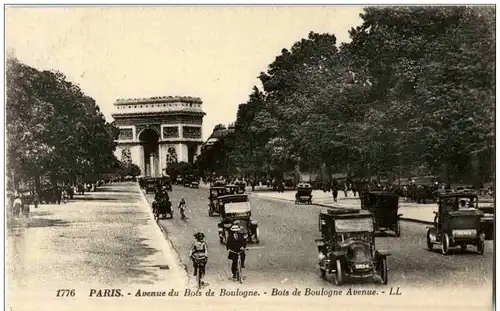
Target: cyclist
199 253
182 208
236 243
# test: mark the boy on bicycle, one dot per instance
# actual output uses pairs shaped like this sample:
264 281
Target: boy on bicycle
236 243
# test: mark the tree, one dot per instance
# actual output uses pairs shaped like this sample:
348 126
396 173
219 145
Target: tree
433 85
53 128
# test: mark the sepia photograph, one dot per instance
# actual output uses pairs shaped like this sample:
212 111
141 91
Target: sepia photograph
250 157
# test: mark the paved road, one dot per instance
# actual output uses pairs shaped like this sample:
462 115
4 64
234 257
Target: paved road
287 254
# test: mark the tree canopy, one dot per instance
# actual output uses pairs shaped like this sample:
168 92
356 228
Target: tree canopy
413 91
53 128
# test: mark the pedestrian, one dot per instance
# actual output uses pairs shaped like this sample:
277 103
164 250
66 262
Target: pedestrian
17 205
58 195
36 199
335 190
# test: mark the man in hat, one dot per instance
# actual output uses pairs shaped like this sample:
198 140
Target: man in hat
236 243
199 252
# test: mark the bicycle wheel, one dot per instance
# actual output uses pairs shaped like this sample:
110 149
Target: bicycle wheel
240 277
198 277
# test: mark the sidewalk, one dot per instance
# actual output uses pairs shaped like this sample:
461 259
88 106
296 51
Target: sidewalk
423 213
104 239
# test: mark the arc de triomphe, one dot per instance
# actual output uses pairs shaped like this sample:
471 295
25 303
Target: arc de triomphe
157 131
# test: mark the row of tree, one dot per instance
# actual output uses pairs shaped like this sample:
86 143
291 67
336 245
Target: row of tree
54 131
412 93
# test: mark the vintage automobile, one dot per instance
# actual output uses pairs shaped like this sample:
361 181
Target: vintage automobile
195 184
187 182
304 193
383 205
347 247
179 180
150 185
457 223
213 203
236 208
165 182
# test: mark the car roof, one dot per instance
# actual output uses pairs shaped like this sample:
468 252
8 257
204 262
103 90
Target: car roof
345 213
233 196
217 188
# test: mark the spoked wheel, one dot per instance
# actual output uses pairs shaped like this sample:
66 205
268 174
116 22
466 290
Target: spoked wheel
239 276
397 229
430 245
383 271
337 277
445 244
198 277
480 245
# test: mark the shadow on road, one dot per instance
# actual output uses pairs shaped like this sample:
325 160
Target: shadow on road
36 223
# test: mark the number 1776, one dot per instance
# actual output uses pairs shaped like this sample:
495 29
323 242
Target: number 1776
65 293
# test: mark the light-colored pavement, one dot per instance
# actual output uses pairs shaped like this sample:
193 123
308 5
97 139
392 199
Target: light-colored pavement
104 239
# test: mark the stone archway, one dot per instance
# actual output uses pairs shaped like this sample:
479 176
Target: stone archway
149 141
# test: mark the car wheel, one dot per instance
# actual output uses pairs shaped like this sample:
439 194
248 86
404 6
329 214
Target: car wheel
397 229
480 245
338 273
210 212
445 244
430 245
383 271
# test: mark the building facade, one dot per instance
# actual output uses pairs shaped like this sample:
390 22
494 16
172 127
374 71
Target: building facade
157 131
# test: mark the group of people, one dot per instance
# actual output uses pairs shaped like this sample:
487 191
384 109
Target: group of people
236 246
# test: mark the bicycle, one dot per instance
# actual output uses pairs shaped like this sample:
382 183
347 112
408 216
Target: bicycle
239 271
199 262
181 210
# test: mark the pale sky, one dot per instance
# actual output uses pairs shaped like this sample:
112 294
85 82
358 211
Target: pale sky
215 53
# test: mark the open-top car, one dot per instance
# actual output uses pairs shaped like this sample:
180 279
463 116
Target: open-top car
457 223
383 205
236 208
213 202
347 246
304 193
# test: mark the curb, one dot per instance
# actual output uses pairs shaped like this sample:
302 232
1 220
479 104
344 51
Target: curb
168 250
335 207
